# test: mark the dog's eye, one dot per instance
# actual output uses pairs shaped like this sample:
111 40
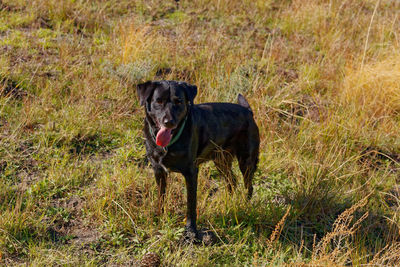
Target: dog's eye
159 101
178 101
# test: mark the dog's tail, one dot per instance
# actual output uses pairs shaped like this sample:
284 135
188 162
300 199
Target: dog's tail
243 102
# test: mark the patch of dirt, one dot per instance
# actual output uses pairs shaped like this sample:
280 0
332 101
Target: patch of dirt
68 225
84 235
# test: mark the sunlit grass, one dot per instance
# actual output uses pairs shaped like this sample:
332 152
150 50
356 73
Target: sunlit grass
321 76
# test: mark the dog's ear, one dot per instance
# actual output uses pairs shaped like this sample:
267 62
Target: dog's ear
144 91
190 90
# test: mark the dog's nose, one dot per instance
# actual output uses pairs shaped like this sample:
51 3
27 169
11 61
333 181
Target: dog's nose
168 123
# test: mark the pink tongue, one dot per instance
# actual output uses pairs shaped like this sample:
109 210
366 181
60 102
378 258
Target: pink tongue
163 137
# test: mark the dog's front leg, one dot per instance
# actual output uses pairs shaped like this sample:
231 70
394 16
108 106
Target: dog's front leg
191 186
161 179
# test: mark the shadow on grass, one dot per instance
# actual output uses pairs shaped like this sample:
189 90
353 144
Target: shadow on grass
310 220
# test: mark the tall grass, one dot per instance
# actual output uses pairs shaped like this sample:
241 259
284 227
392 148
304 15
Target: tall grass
321 76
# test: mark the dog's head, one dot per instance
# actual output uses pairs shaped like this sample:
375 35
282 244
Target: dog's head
167 104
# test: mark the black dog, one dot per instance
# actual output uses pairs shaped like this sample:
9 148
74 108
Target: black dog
181 135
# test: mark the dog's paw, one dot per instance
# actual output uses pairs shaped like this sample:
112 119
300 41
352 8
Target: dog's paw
208 237
189 237
202 236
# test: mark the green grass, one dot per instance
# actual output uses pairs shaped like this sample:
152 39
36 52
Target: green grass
321 76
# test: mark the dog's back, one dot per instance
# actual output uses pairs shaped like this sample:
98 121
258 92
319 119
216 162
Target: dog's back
226 126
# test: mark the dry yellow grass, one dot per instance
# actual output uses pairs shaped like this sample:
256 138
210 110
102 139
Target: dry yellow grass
323 80
373 91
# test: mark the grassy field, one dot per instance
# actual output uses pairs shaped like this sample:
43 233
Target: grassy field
323 79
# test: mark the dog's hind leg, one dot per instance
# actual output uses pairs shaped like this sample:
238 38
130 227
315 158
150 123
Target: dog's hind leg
248 165
247 156
223 163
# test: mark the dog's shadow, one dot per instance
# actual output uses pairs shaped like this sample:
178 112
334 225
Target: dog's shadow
302 220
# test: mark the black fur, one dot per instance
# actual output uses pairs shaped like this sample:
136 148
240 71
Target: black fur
213 131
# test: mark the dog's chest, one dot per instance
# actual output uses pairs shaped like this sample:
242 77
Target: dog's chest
173 160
